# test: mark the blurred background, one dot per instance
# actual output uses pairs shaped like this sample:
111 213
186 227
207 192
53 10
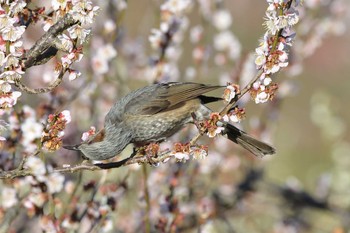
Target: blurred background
304 187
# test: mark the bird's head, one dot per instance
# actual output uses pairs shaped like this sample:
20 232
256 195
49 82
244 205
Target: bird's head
105 144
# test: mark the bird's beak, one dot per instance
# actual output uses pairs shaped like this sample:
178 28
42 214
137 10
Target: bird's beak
75 147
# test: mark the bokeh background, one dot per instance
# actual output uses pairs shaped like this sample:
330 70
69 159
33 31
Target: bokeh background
304 187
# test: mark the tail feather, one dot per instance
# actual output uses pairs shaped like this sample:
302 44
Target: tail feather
258 148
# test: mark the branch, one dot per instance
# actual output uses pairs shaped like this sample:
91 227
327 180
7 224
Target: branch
44 49
162 157
229 106
52 86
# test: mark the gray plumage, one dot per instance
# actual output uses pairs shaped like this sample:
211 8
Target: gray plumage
154 113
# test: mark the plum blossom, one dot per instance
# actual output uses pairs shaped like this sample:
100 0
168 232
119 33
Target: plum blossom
176 7
8 197
262 97
230 92
199 152
54 182
180 156
36 166
65 43
73 74
53 133
226 41
222 19
88 134
83 11
272 55
31 130
78 32
213 131
12 33
59 4
235 115
196 34
102 57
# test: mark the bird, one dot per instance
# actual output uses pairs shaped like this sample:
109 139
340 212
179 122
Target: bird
154 113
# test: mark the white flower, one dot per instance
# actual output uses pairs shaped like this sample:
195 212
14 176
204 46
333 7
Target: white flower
36 165
226 41
47 225
260 60
8 100
2 58
177 7
12 33
229 93
5 86
8 197
79 32
73 74
223 40
31 130
107 51
11 75
222 19
84 11
110 25
66 43
196 33
156 38
57 4
181 156
121 4
217 130
99 65
107 225
199 153
17 6
66 116
262 97
54 182
86 135
233 118
6 21
267 81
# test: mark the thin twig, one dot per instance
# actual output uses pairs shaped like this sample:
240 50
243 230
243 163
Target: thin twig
162 156
147 199
52 86
45 47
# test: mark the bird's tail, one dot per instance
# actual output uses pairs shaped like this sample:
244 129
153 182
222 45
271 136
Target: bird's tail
258 148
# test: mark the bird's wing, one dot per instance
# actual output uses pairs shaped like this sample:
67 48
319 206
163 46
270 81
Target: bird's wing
165 96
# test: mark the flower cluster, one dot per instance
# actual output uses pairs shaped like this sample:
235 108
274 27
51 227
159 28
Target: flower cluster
225 42
263 89
82 11
272 54
53 133
102 57
183 152
87 135
235 115
211 125
230 92
168 37
11 50
42 186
